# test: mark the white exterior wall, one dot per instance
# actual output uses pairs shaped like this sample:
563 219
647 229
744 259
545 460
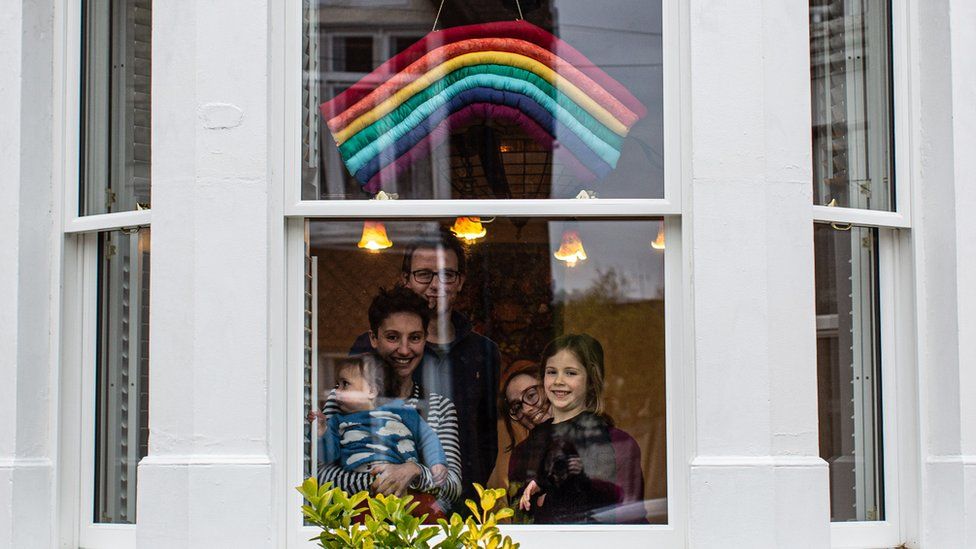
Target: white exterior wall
945 267
29 262
213 478
208 479
756 477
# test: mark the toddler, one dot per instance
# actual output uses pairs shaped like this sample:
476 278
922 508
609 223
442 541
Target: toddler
366 432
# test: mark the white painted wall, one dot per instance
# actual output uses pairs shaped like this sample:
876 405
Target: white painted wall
945 255
29 248
756 478
207 481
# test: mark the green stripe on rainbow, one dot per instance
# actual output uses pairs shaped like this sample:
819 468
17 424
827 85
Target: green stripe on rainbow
385 131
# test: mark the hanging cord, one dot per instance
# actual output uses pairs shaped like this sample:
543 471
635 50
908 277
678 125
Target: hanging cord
437 17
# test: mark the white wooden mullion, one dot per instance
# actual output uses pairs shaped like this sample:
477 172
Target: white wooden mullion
866 218
904 107
89 330
614 207
108 222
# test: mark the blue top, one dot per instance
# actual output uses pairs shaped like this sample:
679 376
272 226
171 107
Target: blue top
391 433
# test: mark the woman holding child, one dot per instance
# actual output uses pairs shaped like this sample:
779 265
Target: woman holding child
398 321
577 464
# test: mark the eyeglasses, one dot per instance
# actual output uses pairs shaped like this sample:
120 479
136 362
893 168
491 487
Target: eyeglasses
425 276
530 397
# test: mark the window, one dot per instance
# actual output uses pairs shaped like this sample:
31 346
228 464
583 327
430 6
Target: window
105 400
851 92
597 124
122 372
557 239
116 62
860 210
522 287
848 365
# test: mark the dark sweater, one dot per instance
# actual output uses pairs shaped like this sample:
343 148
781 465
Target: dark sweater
611 474
465 371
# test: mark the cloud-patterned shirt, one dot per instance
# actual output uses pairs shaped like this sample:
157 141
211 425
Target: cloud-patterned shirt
391 433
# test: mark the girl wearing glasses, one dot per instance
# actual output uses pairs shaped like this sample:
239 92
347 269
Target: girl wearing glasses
577 467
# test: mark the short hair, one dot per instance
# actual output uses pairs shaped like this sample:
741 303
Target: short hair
589 353
443 239
371 367
397 300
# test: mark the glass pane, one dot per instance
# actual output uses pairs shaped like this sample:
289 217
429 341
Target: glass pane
400 43
122 406
848 370
498 353
566 100
115 136
850 77
352 53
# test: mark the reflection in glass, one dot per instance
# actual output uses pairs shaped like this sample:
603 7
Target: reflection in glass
850 59
488 156
848 369
116 109
514 292
122 407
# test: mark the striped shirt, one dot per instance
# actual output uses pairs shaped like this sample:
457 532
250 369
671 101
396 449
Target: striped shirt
442 417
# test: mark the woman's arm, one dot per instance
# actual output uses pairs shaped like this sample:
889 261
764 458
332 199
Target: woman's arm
429 445
350 481
442 418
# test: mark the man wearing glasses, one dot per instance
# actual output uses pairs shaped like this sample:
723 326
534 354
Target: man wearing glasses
459 363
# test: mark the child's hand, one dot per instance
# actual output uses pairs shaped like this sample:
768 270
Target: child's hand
526 502
323 423
574 465
439 473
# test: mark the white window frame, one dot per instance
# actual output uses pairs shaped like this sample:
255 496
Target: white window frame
79 322
896 305
286 103
902 70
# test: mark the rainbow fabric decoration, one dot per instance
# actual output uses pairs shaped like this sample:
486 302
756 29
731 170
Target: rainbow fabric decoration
453 78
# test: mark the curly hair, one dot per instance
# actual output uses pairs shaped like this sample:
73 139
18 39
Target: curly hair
397 300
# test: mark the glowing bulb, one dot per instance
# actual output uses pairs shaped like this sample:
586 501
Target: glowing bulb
469 228
571 249
374 237
658 243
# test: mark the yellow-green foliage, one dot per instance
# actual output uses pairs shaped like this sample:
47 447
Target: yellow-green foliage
480 530
390 524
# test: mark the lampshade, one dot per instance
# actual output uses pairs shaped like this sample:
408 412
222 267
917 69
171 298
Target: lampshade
469 228
571 249
374 237
658 243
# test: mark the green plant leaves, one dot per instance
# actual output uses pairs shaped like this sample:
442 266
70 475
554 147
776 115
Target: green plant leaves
390 523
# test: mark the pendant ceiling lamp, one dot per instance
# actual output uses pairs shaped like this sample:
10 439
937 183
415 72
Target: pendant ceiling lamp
374 237
658 243
469 229
571 249
458 77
